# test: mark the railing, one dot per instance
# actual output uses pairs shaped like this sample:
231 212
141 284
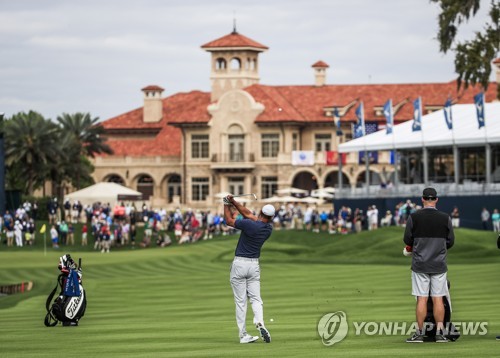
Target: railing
415 190
233 158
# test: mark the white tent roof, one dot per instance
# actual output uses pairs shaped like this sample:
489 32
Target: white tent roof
103 192
435 132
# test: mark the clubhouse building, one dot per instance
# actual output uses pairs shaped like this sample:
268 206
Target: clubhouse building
247 137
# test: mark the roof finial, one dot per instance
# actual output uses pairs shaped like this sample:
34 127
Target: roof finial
234 22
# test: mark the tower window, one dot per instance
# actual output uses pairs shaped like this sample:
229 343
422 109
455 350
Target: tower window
235 64
220 64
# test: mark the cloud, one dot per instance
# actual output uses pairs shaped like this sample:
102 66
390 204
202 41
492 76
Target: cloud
96 55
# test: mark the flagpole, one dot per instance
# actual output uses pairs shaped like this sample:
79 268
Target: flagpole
396 176
487 148
425 153
45 243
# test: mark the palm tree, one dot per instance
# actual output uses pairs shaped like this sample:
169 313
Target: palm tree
31 143
87 137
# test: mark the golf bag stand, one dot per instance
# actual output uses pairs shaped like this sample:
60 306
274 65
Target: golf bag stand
451 331
69 307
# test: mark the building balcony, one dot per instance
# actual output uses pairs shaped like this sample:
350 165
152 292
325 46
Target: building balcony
233 162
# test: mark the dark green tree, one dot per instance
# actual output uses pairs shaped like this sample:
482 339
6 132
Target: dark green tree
30 144
473 58
85 139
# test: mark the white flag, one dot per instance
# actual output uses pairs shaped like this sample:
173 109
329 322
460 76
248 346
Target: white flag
302 157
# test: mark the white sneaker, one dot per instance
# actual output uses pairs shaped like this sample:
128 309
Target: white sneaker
248 338
264 333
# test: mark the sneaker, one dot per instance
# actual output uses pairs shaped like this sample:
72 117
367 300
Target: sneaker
264 333
416 338
248 338
498 338
441 339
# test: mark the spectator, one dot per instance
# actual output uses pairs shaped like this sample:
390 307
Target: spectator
52 207
358 220
18 233
30 232
178 230
8 223
372 214
84 234
105 240
67 211
54 236
71 234
324 220
485 217
455 217
63 230
495 218
387 219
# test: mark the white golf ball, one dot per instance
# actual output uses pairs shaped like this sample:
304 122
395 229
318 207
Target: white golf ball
272 320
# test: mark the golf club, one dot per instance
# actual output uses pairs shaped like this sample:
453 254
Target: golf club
251 194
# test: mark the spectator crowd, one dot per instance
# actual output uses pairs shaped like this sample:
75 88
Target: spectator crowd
105 227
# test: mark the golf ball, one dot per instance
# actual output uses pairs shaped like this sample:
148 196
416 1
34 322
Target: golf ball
272 320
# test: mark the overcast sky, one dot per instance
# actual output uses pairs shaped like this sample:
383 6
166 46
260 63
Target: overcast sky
95 55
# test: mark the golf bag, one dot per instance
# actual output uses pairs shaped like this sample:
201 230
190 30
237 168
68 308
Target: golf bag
451 331
69 306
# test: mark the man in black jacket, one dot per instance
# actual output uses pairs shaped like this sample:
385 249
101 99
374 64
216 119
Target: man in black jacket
429 233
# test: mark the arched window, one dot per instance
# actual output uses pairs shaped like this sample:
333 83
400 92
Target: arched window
305 180
145 185
235 64
114 178
220 64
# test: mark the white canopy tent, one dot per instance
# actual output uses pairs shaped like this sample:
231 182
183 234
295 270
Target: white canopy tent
104 193
435 132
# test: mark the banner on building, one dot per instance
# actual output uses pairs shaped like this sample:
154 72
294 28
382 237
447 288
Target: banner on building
302 157
372 157
332 158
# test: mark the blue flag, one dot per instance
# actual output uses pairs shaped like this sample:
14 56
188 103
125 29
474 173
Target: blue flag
336 120
359 127
389 117
447 113
417 115
479 102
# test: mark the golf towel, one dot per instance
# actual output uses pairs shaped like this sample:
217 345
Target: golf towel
72 287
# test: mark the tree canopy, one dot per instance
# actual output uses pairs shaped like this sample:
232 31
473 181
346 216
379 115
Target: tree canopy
40 150
473 58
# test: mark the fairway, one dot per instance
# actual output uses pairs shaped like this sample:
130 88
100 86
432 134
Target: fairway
177 301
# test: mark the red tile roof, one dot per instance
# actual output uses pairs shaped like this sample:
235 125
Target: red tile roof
320 64
233 40
302 104
152 88
307 103
496 60
180 108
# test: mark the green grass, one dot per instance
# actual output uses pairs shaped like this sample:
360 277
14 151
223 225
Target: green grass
177 301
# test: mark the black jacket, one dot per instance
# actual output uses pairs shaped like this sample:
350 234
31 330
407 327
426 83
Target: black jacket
430 233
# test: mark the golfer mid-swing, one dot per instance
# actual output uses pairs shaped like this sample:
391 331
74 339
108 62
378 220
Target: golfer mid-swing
245 270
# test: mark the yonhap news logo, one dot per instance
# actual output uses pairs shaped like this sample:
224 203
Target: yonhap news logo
333 327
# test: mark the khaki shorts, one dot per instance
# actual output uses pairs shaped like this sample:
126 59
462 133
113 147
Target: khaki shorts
422 282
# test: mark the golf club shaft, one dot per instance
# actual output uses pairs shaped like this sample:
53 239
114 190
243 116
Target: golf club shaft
252 194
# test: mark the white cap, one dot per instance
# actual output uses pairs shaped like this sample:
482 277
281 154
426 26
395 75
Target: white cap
268 210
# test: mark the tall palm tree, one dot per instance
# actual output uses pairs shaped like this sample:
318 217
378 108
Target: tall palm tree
86 135
31 143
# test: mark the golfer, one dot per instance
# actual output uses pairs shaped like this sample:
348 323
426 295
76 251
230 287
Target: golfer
430 234
245 270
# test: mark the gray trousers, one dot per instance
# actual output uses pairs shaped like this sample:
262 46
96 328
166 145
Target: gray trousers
245 282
